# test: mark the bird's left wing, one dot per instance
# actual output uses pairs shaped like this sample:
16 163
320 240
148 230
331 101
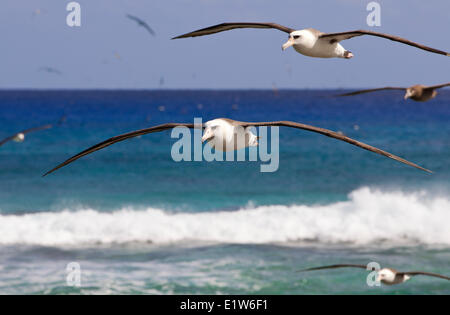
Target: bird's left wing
337 37
119 138
438 86
230 26
149 29
423 273
335 135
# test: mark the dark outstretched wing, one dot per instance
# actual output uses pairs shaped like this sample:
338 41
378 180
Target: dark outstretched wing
423 273
337 37
438 86
230 26
48 126
334 267
134 18
119 138
335 135
7 139
371 90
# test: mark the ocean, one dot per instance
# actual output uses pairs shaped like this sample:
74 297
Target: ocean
136 222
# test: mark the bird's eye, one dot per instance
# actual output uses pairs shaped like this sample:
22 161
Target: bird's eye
296 36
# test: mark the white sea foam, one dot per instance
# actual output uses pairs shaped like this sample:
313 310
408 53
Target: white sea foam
368 216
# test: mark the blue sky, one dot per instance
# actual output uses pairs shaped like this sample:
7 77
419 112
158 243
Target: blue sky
110 51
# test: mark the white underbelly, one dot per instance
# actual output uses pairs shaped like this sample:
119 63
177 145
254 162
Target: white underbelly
228 142
321 50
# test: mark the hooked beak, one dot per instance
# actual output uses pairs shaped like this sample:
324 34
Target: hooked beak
288 44
407 95
207 136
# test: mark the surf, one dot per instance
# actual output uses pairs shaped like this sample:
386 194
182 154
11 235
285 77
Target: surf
368 216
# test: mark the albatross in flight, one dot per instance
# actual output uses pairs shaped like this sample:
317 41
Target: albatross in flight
387 276
418 92
141 23
20 136
222 133
311 42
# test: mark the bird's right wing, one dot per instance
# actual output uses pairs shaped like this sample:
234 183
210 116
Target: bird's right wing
132 17
119 138
230 26
335 135
7 139
423 273
370 90
334 267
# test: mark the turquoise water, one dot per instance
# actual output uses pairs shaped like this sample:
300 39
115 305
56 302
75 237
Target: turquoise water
138 222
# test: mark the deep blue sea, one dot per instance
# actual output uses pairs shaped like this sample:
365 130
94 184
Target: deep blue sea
137 222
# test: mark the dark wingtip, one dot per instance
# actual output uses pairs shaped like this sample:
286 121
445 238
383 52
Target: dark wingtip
47 173
422 168
426 170
52 170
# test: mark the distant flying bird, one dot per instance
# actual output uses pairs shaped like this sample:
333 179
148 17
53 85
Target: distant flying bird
387 276
50 70
311 42
142 23
220 134
418 92
20 136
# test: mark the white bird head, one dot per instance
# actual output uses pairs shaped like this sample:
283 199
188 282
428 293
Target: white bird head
19 137
251 139
386 276
409 93
302 38
209 133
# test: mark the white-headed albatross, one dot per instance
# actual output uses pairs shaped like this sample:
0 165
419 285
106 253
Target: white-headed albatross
311 42
20 136
418 92
224 133
387 276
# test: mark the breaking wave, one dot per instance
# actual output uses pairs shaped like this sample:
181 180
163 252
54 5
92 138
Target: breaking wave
367 216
